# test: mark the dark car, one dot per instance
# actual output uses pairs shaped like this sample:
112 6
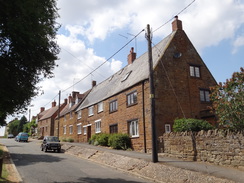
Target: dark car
51 143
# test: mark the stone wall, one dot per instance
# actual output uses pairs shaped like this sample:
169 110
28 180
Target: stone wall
217 147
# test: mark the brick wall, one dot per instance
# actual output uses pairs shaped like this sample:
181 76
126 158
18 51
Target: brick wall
217 147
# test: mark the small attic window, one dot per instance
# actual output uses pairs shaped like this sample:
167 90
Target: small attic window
126 76
110 78
120 71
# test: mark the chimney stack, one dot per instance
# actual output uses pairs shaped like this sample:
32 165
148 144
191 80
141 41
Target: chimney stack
66 101
42 109
94 83
54 103
74 93
176 24
131 57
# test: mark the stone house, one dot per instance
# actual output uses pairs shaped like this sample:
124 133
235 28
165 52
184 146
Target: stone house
64 123
46 119
121 103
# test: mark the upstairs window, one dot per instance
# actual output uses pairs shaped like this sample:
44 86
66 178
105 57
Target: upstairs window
64 129
79 114
132 98
100 107
204 95
90 111
113 106
195 71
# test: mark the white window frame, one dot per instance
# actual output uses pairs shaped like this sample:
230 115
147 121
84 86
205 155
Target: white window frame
113 106
79 114
195 71
98 126
79 128
167 128
70 129
70 115
64 129
100 107
85 130
134 128
91 111
131 98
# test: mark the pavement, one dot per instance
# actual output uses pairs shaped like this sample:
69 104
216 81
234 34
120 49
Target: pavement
166 170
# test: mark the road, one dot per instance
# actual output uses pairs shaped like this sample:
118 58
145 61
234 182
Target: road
36 166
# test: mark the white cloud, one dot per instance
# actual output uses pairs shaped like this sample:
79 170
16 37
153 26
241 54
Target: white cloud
238 43
207 23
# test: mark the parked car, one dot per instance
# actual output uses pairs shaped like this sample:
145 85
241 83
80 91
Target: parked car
10 136
22 137
51 143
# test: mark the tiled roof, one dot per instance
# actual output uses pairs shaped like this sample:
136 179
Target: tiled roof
126 77
49 113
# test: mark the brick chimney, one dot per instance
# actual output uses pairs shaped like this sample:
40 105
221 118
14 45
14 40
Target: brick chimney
176 24
66 101
54 103
70 99
132 56
42 109
94 83
74 93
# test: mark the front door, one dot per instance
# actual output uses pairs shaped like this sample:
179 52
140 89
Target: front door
88 133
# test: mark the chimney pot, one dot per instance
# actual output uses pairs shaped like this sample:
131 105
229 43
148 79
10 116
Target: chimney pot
131 57
42 109
54 103
176 24
94 83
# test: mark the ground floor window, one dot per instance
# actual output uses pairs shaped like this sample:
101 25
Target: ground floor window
133 128
113 128
167 128
64 129
71 129
79 128
84 130
98 126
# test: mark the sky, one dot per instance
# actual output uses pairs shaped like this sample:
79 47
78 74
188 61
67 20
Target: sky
93 31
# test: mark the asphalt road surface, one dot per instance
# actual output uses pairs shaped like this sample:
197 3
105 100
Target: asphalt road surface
36 166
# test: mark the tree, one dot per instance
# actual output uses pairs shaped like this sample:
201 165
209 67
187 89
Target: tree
28 51
13 127
228 102
29 127
22 122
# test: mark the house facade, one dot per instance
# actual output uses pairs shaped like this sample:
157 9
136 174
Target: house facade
121 103
46 119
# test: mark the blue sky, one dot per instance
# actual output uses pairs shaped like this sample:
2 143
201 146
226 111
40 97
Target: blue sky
92 31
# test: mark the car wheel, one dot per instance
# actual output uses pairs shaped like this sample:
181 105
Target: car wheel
45 149
59 150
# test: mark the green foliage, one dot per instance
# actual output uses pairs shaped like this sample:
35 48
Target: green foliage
195 125
28 51
116 141
22 122
70 140
29 127
13 127
119 141
228 102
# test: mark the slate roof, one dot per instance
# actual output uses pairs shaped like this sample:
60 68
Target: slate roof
49 113
138 71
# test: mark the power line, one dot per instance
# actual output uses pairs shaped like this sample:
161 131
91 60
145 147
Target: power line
174 16
104 61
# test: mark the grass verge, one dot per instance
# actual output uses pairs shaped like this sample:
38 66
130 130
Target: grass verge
4 170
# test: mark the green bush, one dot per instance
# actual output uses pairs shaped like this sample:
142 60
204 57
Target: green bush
195 125
119 141
70 140
93 139
102 139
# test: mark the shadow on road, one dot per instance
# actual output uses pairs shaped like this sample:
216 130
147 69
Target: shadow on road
27 159
100 180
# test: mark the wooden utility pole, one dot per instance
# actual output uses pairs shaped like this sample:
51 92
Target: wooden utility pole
152 97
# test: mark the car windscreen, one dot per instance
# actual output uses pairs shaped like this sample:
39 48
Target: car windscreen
52 139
